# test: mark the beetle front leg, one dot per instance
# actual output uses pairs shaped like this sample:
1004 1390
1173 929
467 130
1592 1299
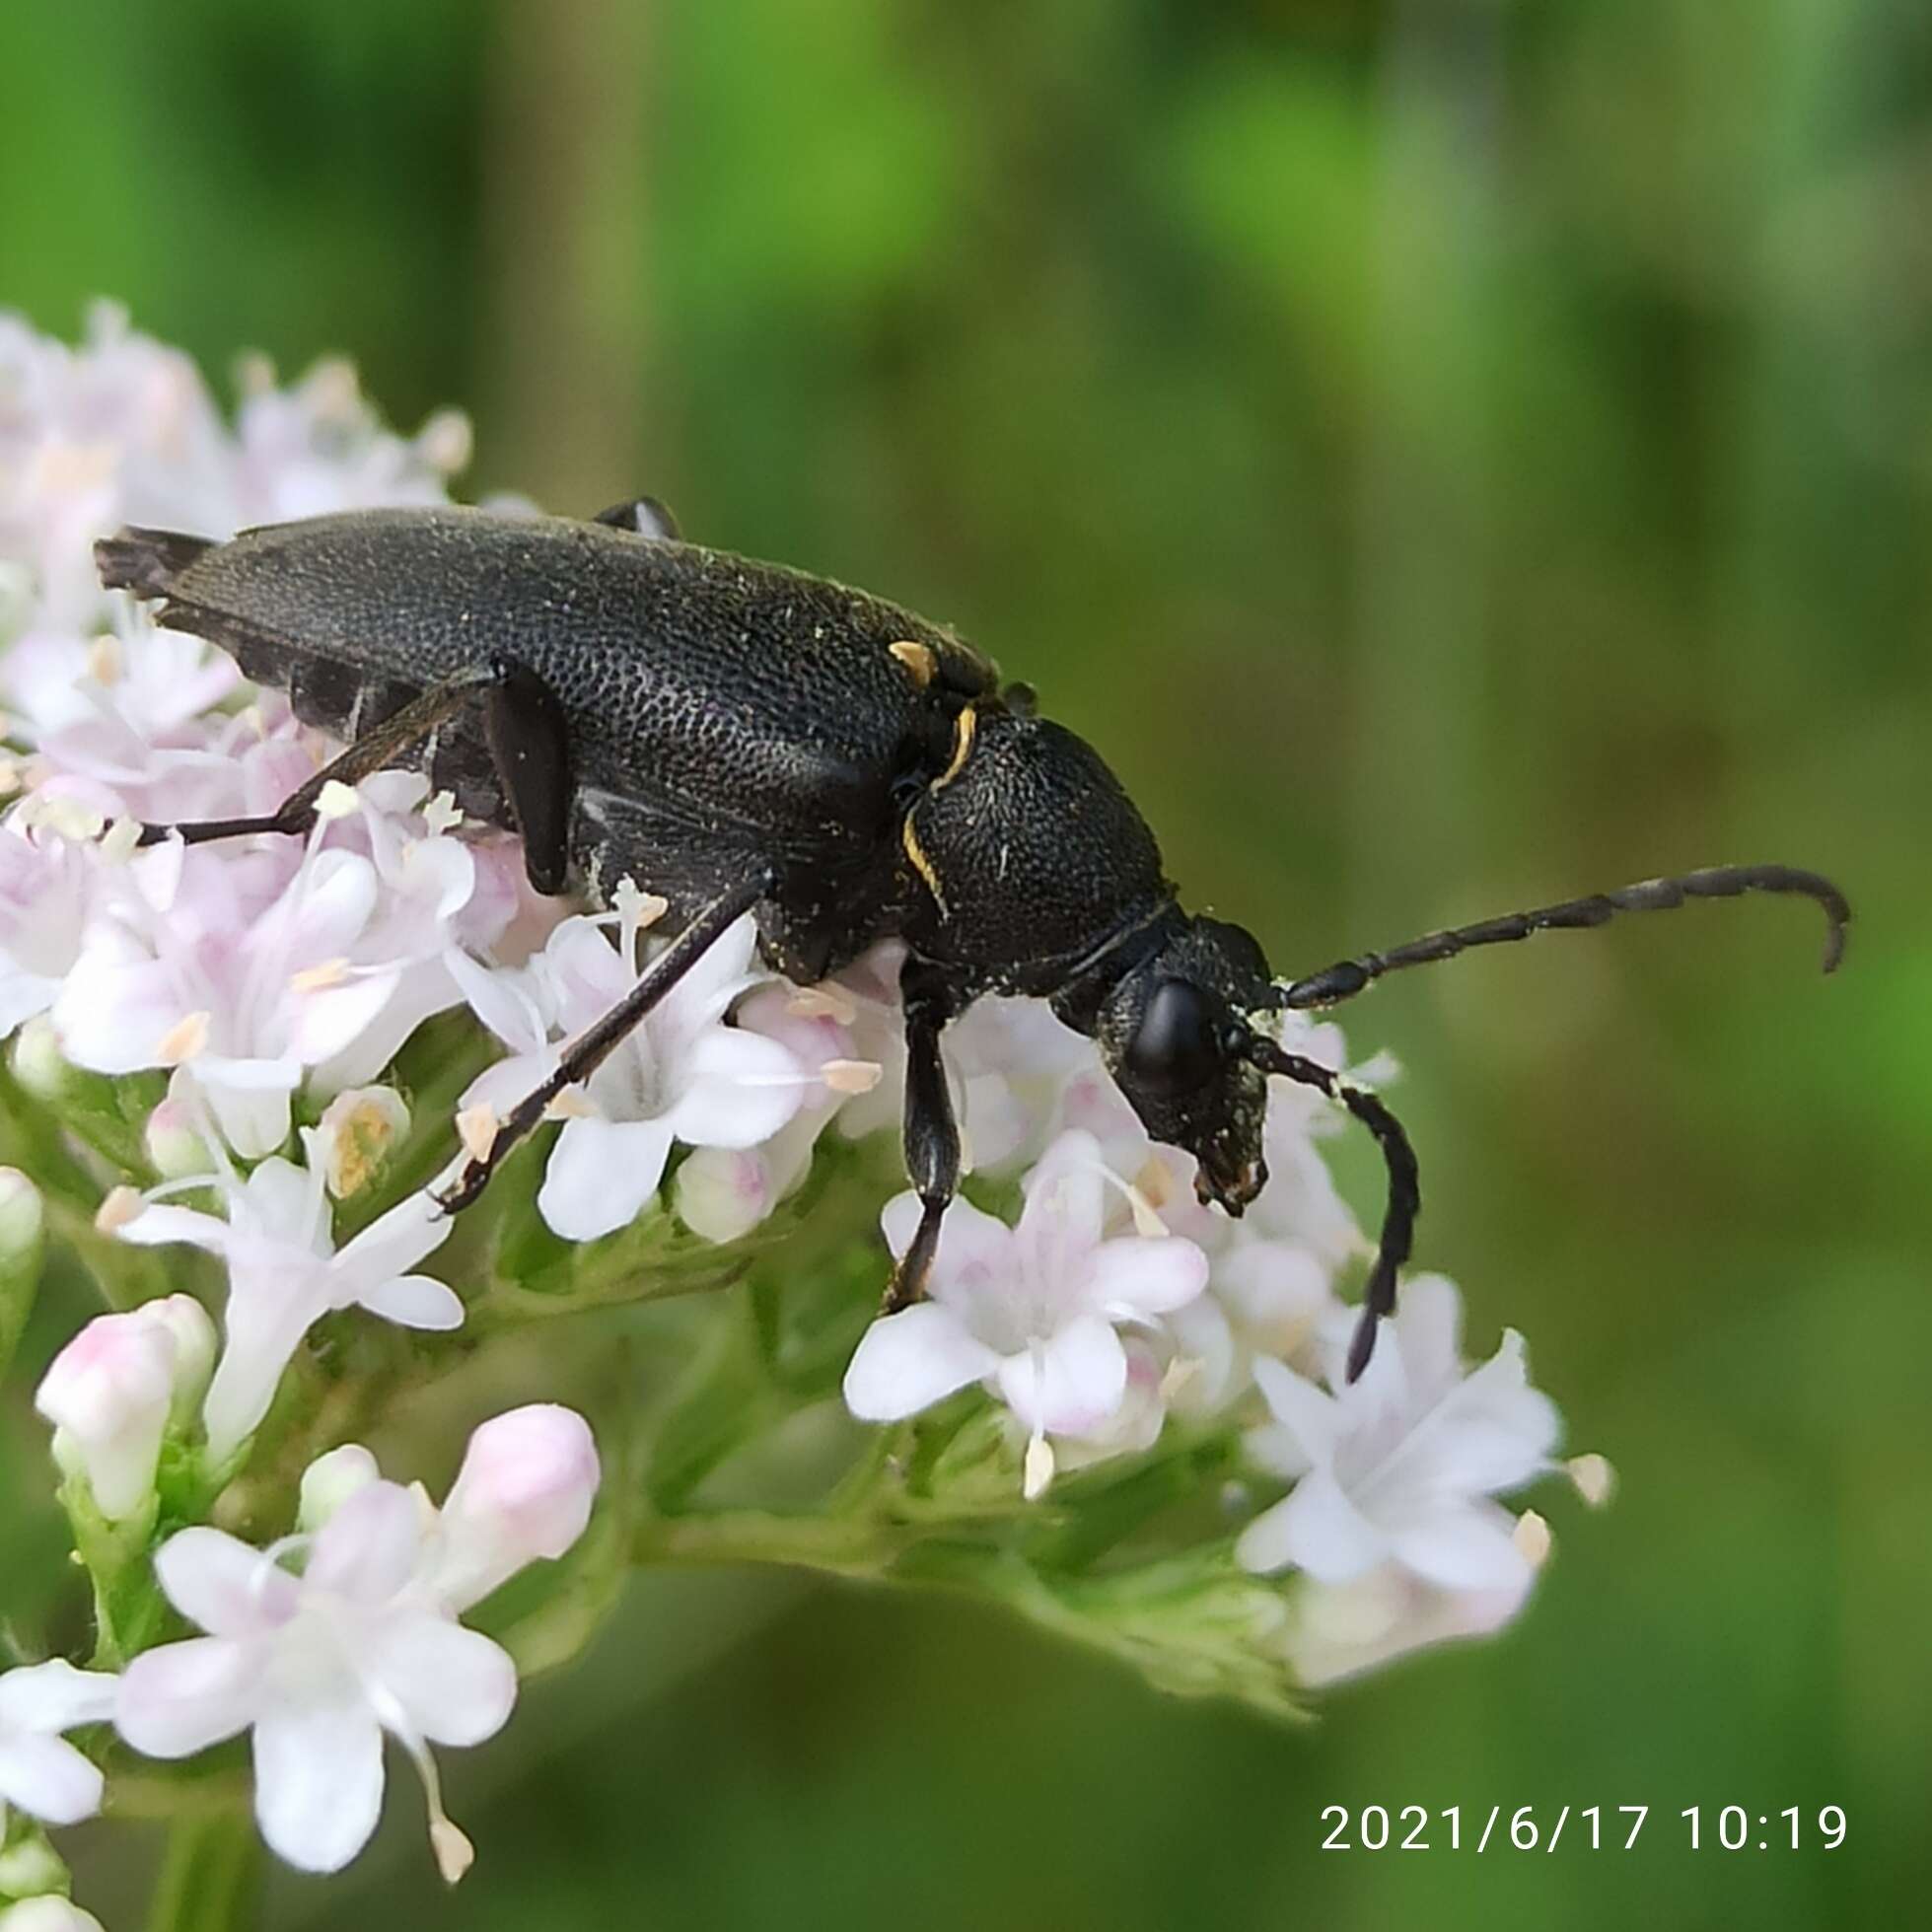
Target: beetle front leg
932 1135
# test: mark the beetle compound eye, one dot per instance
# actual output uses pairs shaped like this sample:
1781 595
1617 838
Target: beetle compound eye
1176 1046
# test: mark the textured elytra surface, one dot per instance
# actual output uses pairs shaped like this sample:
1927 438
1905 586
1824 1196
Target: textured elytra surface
742 694
725 719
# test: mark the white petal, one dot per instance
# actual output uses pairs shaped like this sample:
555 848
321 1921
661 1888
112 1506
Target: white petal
1430 1324
504 1001
1461 1546
54 1696
318 1783
47 1778
1265 1546
325 909
415 1300
1317 1530
601 1175
250 1100
227 1587
906 1362
718 976
588 977
285 1203
1145 1275
181 1697
112 1018
1311 1417
738 1089
160 1223
1489 1433
1066 1193
329 1019
503 1085
367 1550
393 1244
1071 1383
455 1687
265 1325
976 1248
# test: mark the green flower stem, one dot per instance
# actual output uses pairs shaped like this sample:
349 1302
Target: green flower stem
209 1875
848 1546
32 1139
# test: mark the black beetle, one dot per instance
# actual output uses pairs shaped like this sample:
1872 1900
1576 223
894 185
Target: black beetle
741 737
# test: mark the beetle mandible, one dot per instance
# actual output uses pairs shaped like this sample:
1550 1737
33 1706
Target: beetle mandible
740 737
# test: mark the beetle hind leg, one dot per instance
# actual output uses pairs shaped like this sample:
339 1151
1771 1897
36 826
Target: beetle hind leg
370 754
528 745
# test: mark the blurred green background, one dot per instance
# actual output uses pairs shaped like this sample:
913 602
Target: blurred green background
1449 456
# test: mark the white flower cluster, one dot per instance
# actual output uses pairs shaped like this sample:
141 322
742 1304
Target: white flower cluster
263 987
321 1642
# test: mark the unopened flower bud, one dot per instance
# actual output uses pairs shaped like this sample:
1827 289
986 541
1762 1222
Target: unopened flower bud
38 1063
174 1144
30 1866
525 1490
50 1913
113 1389
23 1245
330 1480
723 1192
359 1129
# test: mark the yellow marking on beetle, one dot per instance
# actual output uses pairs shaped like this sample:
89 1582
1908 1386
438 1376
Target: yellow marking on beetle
919 659
922 865
962 748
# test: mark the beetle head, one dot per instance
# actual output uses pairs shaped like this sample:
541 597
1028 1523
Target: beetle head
1177 1038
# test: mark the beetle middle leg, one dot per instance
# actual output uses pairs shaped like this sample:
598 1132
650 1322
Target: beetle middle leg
932 1134
593 1046
528 745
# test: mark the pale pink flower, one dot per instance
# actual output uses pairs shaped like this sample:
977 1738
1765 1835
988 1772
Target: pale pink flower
1033 1312
365 1639
285 1273
248 968
318 1666
1400 1466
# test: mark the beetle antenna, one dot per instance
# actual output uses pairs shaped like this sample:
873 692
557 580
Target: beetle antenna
1351 976
1404 1184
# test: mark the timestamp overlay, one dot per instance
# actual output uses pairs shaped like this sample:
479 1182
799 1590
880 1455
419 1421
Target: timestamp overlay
1503 1830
